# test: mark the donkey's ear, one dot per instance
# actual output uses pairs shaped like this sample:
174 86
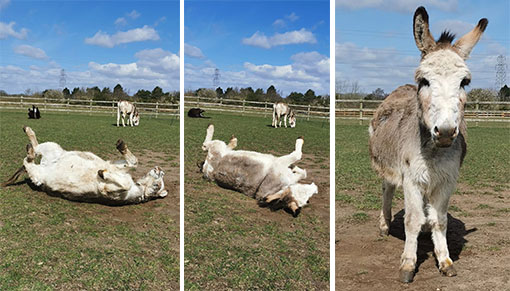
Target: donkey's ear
424 40
466 43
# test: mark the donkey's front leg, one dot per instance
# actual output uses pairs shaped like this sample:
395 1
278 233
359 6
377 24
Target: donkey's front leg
414 218
438 220
31 136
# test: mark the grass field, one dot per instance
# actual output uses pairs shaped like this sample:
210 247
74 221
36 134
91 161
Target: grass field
51 243
230 242
477 227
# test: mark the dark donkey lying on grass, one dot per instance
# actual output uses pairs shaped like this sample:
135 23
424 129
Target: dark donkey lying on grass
417 140
267 178
83 176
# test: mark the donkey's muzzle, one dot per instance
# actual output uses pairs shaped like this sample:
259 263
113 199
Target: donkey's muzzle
445 136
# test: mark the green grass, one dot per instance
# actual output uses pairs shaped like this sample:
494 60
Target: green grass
487 163
231 243
52 243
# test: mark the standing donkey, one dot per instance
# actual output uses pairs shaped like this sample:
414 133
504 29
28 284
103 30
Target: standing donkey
124 108
280 110
418 140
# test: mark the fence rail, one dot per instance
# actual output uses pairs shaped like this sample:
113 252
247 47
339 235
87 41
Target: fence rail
85 106
475 111
252 107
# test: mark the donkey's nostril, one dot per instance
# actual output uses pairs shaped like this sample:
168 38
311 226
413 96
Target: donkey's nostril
453 132
436 130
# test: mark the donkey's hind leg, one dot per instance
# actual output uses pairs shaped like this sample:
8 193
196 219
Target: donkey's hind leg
232 144
130 159
31 136
295 155
385 216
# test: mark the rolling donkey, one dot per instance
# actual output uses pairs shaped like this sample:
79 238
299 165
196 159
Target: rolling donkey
418 140
267 178
83 176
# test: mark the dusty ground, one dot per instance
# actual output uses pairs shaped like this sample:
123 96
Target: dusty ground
478 241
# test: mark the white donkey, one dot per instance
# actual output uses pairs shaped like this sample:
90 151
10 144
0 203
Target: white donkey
267 178
417 140
83 176
282 110
124 108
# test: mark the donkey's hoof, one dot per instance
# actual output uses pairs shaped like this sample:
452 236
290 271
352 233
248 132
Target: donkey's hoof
301 137
384 231
25 128
406 276
296 212
121 146
101 173
449 271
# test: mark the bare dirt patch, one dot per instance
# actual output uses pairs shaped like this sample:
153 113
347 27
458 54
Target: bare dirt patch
478 240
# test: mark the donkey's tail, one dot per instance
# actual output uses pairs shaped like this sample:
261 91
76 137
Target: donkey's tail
15 177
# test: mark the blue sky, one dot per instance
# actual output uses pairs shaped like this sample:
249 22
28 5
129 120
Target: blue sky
375 45
134 43
257 44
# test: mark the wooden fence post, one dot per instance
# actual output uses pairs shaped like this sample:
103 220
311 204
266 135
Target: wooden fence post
21 102
157 105
45 103
361 112
90 107
67 106
477 112
243 106
308 114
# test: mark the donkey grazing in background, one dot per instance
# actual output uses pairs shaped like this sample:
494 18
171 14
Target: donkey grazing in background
83 176
267 178
418 140
280 110
124 108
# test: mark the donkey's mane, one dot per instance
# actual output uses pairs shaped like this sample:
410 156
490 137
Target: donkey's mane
446 37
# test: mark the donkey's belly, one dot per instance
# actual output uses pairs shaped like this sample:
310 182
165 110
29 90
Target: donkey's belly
239 173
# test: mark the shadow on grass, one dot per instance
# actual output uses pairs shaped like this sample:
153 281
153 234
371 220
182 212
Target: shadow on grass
456 232
98 200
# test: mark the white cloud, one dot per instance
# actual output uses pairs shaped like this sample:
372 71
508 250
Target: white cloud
398 5
292 17
120 21
282 23
193 51
158 60
7 30
155 67
134 35
31 51
308 70
133 14
259 39
4 3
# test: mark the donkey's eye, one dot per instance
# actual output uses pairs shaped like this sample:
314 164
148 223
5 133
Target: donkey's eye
423 82
465 82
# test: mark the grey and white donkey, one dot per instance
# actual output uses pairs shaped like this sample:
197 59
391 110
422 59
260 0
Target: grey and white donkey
418 140
267 178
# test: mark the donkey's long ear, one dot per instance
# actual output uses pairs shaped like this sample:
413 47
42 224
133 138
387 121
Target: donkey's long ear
424 40
466 43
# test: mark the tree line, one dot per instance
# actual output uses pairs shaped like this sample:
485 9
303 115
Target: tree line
271 95
105 94
352 91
